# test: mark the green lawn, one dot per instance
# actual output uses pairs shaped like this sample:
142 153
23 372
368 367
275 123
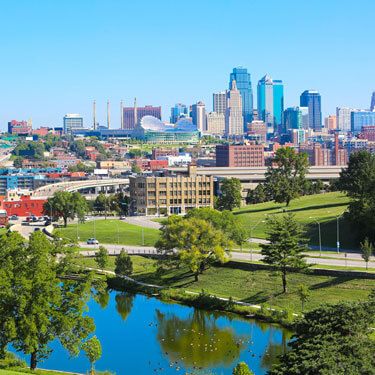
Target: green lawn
321 207
112 231
27 371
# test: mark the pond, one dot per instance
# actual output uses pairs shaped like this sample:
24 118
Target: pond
142 335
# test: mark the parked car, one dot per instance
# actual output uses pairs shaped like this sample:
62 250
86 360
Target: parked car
122 217
92 241
36 229
13 217
47 222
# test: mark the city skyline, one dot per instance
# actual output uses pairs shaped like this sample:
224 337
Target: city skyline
63 63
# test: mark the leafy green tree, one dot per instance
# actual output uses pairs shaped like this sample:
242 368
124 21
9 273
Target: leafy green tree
303 293
286 245
66 205
101 204
123 264
285 178
367 249
101 257
93 351
197 242
257 195
242 369
230 197
332 339
136 168
44 308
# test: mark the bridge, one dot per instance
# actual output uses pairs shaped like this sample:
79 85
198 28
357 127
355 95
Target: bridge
94 185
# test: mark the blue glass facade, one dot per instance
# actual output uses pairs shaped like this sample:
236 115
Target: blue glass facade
179 110
359 119
312 100
243 81
292 118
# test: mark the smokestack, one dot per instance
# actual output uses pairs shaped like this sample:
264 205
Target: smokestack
135 112
108 116
122 115
94 113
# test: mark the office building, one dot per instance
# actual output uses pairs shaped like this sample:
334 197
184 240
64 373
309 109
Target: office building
249 155
167 195
19 127
304 117
330 122
72 121
220 102
292 118
359 119
198 115
372 106
158 153
233 114
215 123
132 115
257 131
178 111
343 118
243 82
312 100
271 103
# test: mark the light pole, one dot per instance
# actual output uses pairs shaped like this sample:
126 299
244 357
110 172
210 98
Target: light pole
338 230
320 236
251 232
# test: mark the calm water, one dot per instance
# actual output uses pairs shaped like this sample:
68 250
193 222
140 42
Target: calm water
141 335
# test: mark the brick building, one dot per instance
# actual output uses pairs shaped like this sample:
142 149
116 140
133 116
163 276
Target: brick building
251 155
19 127
162 152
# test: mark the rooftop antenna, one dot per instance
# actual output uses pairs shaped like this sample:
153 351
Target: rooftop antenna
135 112
122 115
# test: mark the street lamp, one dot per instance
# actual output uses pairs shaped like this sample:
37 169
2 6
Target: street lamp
320 236
338 230
251 232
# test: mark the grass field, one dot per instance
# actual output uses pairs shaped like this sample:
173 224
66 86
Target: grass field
112 231
324 208
256 286
26 371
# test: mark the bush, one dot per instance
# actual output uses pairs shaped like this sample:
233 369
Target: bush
11 360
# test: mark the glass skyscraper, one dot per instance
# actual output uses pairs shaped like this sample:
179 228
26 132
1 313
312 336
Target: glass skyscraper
372 106
178 111
271 103
312 100
243 81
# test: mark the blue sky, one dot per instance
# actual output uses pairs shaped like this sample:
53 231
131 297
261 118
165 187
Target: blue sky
57 56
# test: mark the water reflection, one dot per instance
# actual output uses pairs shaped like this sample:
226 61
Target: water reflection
124 304
197 341
102 298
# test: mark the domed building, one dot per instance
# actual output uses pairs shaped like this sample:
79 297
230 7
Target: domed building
152 130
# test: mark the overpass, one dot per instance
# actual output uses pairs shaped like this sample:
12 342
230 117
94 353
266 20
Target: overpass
96 185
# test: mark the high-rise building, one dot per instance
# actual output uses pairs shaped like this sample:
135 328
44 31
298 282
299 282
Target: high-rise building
132 115
360 119
343 116
372 106
312 100
72 121
220 102
271 103
216 123
250 155
305 117
233 114
330 122
243 82
178 111
198 115
292 118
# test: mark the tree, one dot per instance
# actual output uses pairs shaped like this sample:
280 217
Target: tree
257 195
93 351
123 264
101 204
197 242
101 257
242 369
136 168
44 308
66 205
367 250
230 197
332 339
303 294
286 180
286 245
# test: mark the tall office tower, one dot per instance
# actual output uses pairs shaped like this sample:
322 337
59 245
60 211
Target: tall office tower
179 110
72 121
233 113
198 114
219 102
215 123
343 116
360 119
243 82
305 117
132 115
330 122
372 106
292 118
271 103
312 100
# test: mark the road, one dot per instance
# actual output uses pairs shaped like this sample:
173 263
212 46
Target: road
355 260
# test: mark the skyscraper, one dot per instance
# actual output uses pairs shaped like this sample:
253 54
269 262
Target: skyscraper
330 122
360 119
179 110
343 118
372 107
72 121
292 118
220 102
243 82
198 114
271 103
216 123
133 114
233 114
312 100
